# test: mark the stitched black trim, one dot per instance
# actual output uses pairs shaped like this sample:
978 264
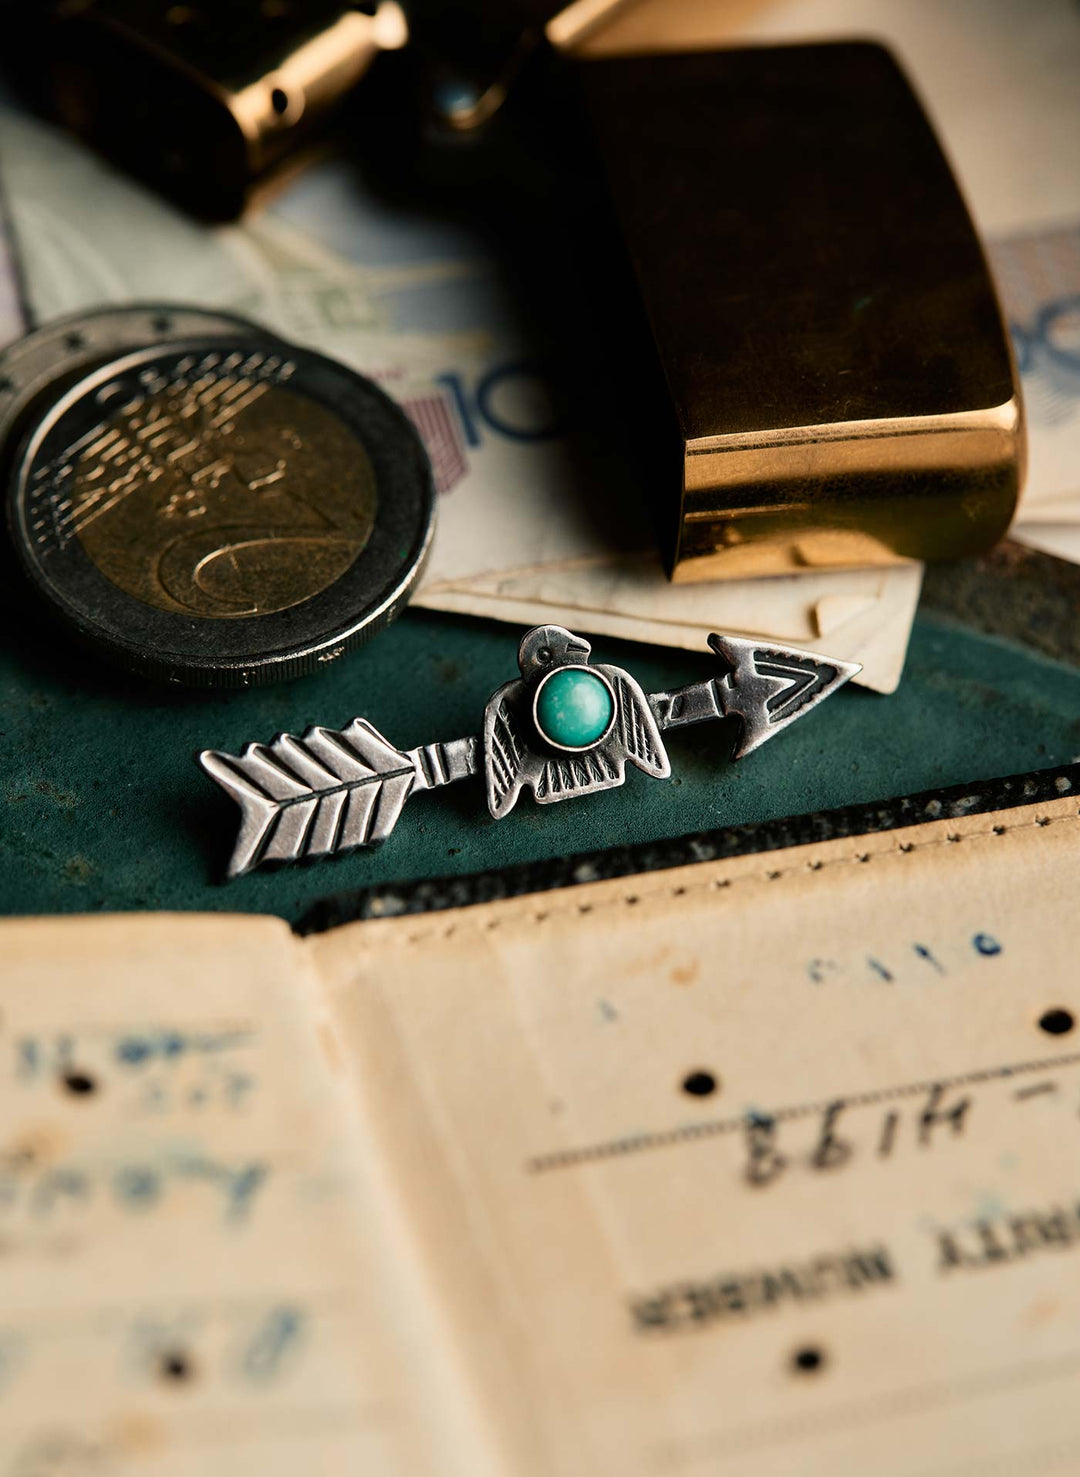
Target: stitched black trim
435 894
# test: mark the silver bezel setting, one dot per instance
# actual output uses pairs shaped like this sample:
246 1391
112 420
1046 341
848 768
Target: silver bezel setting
574 748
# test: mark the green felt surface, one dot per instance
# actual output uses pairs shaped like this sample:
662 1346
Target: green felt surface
104 808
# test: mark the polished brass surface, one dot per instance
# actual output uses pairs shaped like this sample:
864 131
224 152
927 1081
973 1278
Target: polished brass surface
582 21
838 385
203 98
221 496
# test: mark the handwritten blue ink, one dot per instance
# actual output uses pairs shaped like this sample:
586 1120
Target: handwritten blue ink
924 953
133 1051
238 1185
34 1058
57 1184
986 944
237 1087
262 1358
138 1186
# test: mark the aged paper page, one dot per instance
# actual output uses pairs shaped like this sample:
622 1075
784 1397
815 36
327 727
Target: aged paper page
199 1277
761 1167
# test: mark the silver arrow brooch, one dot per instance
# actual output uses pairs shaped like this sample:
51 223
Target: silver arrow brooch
564 728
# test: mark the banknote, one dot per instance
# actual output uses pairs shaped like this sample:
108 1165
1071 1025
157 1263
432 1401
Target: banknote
1039 274
534 523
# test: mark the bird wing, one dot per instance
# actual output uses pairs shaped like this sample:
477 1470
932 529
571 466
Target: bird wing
635 726
506 754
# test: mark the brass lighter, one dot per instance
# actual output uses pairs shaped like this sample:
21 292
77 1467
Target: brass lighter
840 388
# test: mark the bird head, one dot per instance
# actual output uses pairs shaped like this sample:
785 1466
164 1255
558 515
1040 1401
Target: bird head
550 646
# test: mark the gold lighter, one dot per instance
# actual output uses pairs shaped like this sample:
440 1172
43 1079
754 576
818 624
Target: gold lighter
840 388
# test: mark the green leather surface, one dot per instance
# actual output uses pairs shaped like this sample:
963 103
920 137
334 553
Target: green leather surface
104 808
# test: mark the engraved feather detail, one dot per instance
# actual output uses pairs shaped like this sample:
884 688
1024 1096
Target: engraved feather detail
570 777
507 752
638 729
512 762
326 792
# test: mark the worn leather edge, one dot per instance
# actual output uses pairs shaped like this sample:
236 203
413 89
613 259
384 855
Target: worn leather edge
436 894
1013 592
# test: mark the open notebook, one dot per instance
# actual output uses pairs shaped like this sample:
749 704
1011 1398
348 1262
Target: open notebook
760 1166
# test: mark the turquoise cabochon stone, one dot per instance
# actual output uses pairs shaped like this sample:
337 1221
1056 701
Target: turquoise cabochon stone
573 708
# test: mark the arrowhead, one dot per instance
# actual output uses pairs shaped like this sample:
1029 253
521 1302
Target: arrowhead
769 686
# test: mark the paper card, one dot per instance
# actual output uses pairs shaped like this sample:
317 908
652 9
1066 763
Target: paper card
193 1277
758 1167
861 615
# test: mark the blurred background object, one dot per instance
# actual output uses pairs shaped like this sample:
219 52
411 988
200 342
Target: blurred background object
203 99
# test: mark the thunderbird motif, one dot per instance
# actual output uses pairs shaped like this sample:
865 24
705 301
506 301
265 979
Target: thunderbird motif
563 728
590 721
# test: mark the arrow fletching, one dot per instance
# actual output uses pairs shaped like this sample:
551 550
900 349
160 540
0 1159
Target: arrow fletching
326 792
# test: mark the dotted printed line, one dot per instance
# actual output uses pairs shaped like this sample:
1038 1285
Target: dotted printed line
687 1133
693 1132
469 922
